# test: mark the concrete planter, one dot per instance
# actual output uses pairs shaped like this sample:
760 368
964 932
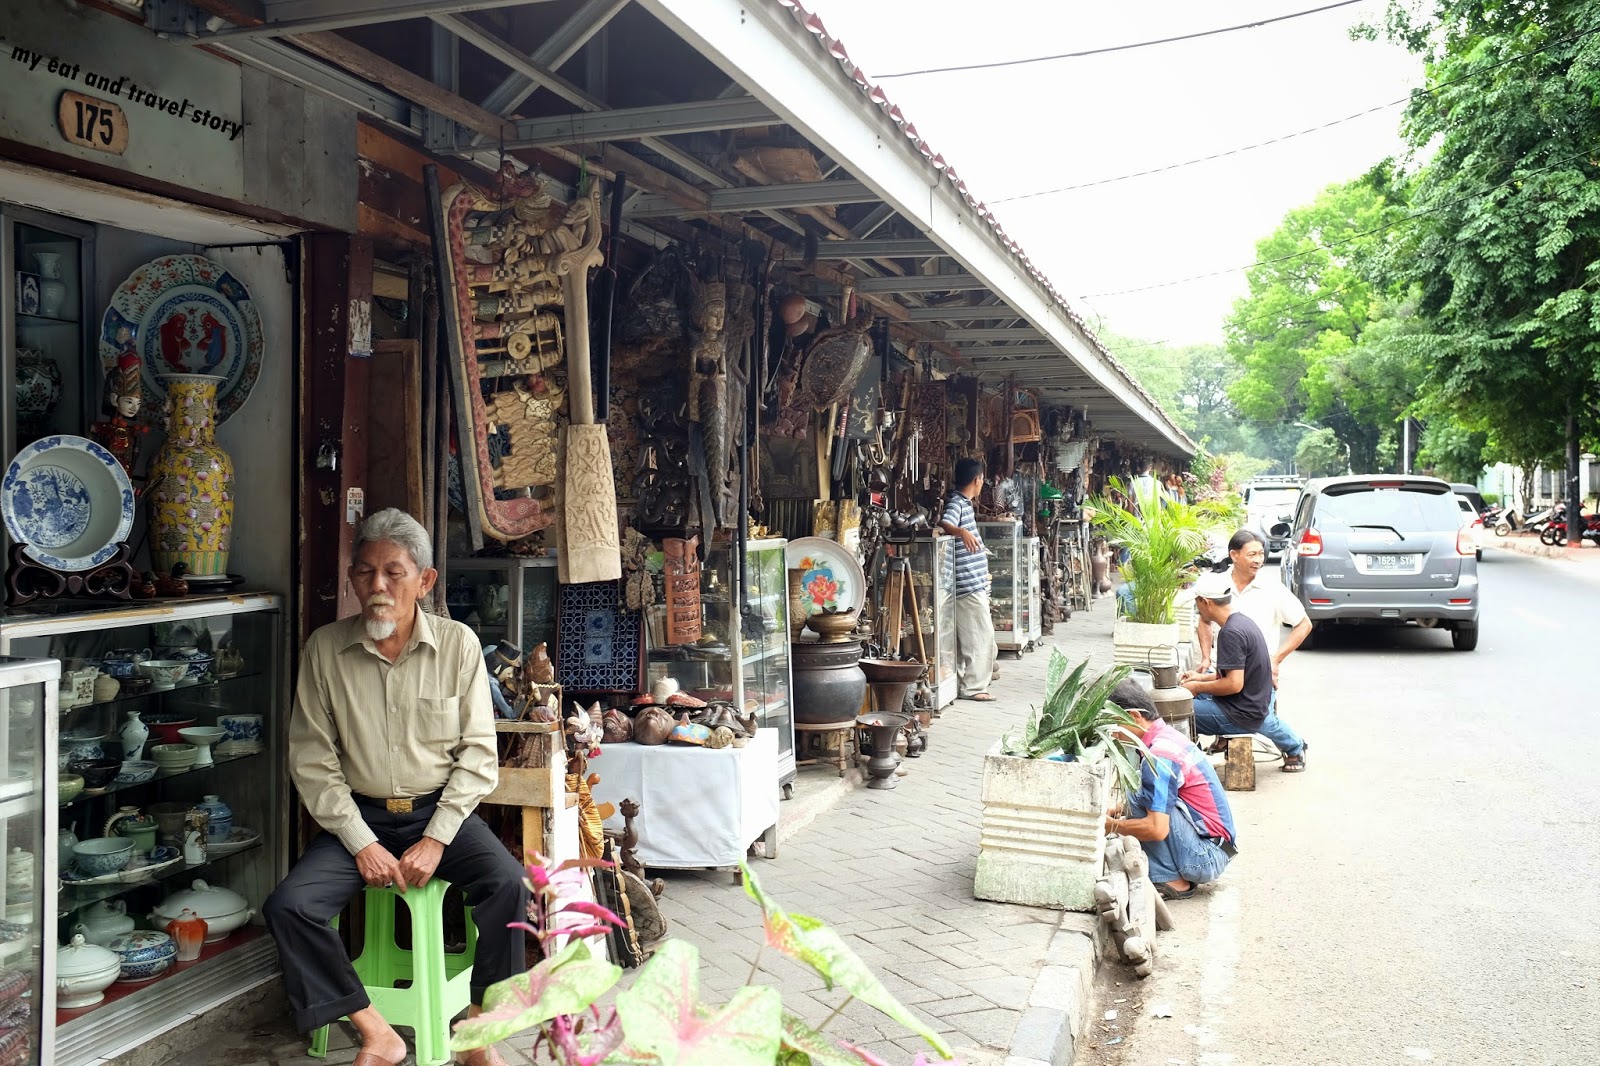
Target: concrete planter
1139 643
1042 839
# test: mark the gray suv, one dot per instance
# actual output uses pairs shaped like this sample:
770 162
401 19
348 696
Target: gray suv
1384 549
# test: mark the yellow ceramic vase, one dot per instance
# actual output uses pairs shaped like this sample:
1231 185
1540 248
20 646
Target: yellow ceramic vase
191 482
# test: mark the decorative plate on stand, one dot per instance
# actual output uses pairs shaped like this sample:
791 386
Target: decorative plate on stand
833 580
69 501
184 314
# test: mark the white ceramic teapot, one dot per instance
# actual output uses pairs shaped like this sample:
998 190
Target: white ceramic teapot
100 923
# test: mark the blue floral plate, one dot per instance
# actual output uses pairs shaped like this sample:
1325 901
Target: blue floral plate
69 501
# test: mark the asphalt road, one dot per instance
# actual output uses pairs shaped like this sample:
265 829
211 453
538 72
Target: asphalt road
1429 890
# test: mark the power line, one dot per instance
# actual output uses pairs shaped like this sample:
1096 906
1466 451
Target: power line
1521 175
1201 159
1117 47
1429 91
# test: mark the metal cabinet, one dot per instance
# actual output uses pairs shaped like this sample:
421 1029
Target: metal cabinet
743 653
1029 587
234 679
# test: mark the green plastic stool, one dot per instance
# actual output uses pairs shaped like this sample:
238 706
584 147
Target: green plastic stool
441 981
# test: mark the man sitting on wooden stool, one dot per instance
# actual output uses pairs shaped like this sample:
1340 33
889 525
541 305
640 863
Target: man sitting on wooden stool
392 746
1180 815
1237 697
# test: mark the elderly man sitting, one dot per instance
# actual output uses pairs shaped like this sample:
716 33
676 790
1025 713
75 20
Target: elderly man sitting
391 747
1180 815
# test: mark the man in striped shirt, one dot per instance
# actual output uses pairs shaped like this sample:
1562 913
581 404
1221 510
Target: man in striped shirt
975 647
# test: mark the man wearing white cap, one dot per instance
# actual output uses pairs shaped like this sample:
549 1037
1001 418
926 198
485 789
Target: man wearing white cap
1237 697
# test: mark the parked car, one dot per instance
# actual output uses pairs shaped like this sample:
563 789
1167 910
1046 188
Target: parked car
1384 549
1474 497
1269 501
1472 522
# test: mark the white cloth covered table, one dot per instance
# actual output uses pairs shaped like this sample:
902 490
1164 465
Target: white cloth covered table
699 807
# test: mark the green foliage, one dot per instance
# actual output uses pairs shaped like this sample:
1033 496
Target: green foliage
1320 454
1452 451
1079 720
660 1020
1162 537
663 1018
1505 257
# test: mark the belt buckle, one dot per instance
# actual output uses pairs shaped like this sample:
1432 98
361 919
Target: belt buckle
398 806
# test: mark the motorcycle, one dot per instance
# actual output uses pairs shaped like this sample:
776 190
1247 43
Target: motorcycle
1555 533
1511 521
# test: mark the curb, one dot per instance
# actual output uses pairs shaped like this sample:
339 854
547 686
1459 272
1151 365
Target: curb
1058 1004
1523 545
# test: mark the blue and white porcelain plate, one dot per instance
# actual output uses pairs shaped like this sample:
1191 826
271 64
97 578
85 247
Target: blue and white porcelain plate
69 501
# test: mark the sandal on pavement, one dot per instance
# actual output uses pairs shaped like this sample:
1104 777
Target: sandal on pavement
1295 764
1166 891
979 697
372 1058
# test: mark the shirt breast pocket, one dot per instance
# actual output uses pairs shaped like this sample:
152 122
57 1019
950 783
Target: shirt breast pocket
439 717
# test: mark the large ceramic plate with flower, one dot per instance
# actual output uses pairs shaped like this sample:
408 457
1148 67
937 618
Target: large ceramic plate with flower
184 314
69 501
831 580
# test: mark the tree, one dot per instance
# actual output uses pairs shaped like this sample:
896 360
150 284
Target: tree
1321 454
1503 249
1299 336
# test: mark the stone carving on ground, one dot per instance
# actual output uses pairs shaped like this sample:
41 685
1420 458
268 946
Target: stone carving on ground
1128 904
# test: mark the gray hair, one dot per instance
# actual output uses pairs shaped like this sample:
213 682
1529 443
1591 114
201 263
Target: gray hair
1131 696
393 524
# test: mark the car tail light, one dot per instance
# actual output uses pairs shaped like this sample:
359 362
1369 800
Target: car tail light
1310 542
1459 603
1464 545
1320 603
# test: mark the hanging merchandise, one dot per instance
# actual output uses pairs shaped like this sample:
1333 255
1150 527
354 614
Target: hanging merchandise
834 363
682 572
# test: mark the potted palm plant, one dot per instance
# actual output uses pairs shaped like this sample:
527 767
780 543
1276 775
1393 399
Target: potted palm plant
1162 537
1045 793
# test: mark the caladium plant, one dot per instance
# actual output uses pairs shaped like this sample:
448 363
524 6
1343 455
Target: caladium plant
660 1020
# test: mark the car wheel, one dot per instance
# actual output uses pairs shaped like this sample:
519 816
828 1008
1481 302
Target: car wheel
1464 639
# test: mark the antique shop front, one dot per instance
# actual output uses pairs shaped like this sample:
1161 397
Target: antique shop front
149 319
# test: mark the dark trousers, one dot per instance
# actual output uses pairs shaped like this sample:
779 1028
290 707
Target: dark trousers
318 977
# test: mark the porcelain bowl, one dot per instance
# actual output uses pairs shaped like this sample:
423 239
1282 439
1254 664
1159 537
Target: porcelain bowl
99 856
164 672
145 953
199 735
88 987
165 725
223 909
198 661
96 773
137 771
68 786
174 756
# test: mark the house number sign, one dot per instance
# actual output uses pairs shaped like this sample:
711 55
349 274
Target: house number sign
93 123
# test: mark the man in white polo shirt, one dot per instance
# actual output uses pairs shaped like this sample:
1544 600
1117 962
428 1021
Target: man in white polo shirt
1268 603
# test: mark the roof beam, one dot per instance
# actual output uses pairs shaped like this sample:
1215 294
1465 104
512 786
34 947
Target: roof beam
560 46
764 198
922 283
873 248
281 61
961 313
979 336
633 123
1020 354
285 17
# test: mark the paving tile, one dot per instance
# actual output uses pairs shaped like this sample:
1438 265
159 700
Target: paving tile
991 1027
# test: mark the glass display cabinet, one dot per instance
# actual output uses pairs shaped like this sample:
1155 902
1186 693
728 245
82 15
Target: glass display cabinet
47 295
1028 586
1007 593
195 687
743 651
933 574
511 598
27 818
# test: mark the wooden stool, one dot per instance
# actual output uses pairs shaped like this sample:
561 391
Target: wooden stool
835 741
1239 772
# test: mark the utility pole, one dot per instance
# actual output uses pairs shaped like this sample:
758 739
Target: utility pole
1574 490
1405 445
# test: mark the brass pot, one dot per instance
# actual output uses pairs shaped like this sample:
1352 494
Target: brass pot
832 627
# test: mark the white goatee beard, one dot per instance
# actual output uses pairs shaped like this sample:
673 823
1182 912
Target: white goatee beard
379 629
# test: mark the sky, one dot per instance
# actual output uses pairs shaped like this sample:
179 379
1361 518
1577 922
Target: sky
1023 129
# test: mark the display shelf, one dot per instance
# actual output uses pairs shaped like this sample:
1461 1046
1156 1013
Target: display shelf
161 776
71 899
1004 542
209 956
44 320
184 690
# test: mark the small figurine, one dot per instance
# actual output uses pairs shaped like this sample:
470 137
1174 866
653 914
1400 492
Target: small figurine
143 587
121 433
541 671
173 585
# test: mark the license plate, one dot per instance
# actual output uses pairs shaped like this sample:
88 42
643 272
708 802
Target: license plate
1391 562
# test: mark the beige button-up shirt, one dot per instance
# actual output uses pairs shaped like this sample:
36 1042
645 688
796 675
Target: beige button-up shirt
408 728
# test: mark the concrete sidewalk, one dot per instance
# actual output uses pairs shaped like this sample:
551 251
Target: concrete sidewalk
892 872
